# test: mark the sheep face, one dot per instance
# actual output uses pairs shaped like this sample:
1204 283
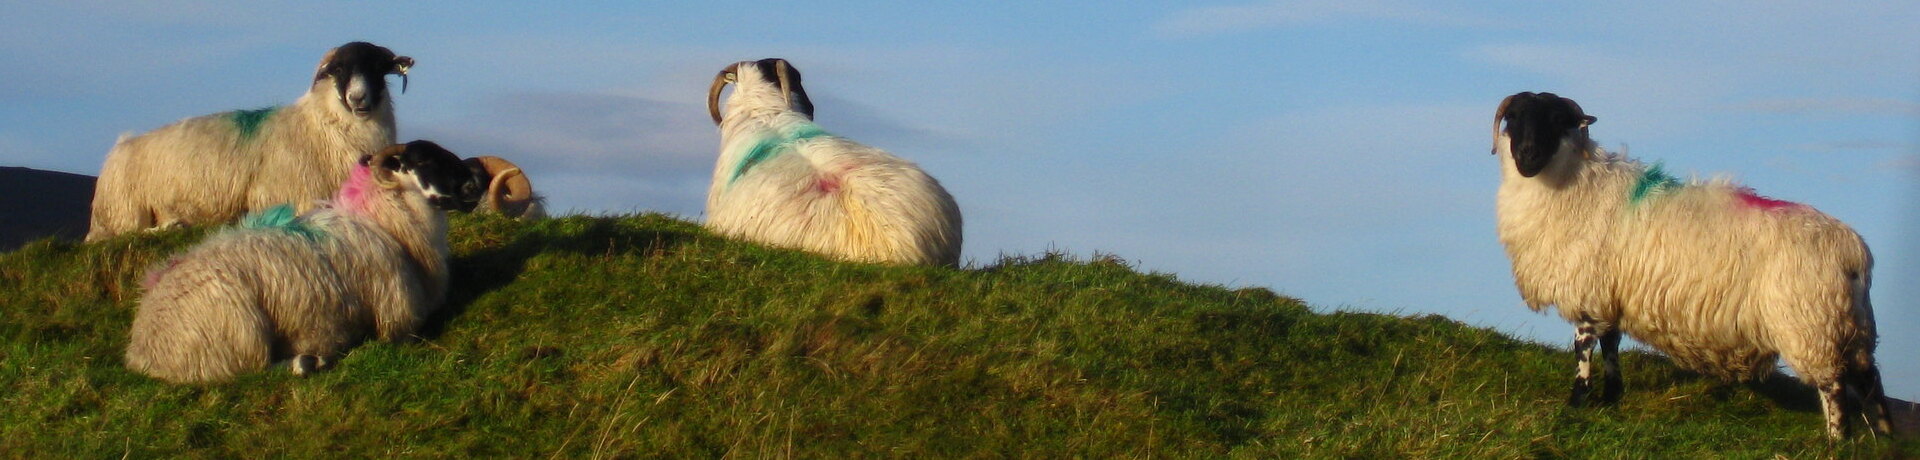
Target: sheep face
437 173
472 191
357 73
1539 126
768 82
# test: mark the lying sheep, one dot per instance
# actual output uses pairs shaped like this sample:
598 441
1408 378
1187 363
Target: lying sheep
1720 279
372 262
215 168
499 186
782 181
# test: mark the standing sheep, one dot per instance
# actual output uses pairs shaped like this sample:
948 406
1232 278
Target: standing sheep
215 168
1721 280
371 262
782 181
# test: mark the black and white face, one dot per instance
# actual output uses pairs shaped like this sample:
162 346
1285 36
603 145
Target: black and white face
1539 126
358 74
437 173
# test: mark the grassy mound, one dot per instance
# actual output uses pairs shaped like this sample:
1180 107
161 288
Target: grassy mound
646 336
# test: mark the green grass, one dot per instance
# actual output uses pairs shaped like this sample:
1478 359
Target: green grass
645 336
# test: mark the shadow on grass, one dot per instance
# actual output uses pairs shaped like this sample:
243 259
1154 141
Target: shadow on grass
1787 392
484 271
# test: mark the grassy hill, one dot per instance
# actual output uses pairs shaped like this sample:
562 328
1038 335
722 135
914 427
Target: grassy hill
646 336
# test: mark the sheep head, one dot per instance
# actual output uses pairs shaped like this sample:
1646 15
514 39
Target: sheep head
760 80
1538 125
434 171
358 73
507 189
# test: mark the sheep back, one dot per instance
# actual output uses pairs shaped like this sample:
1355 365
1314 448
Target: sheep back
816 192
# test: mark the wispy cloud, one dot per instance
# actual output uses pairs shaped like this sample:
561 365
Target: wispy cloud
1291 13
602 152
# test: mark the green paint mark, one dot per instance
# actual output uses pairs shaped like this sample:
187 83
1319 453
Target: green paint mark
773 146
1653 181
281 218
248 121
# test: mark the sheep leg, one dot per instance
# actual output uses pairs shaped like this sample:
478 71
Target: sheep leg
1830 405
1610 351
1583 341
1865 380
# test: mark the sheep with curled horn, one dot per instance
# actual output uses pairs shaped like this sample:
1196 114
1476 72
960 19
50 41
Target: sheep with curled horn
370 263
214 168
782 181
1720 279
499 186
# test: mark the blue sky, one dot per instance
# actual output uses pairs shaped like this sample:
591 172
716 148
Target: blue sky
1331 150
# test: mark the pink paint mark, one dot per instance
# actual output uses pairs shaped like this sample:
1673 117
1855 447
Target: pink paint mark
1747 197
154 276
355 193
827 184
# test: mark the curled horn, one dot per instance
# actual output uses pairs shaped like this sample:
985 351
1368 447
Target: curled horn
400 66
321 71
786 90
509 185
713 94
378 166
1499 114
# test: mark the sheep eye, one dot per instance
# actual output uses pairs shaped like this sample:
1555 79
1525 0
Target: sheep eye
731 77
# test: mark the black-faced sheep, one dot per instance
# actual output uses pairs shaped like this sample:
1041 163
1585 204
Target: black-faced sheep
1721 280
213 169
782 181
372 262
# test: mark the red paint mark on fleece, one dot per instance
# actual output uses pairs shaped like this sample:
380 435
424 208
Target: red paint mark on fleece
1747 197
827 184
354 194
154 276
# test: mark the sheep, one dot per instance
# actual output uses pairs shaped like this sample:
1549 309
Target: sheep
782 181
373 261
214 168
1720 279
499 186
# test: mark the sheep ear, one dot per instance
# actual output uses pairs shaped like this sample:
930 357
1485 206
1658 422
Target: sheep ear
400 66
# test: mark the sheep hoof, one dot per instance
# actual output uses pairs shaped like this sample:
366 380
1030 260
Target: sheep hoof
1579 397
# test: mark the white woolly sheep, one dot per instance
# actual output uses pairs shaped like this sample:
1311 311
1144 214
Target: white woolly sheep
499 186
214 168
371 262
782 181
1721 280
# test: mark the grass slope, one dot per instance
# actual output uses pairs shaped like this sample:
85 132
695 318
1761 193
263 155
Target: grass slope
646 336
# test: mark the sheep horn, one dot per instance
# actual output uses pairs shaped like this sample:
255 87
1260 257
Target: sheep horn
378 166
510 184
786 90
713 94
400 66
1499 114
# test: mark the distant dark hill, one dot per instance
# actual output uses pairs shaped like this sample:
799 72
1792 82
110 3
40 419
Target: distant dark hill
35 204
